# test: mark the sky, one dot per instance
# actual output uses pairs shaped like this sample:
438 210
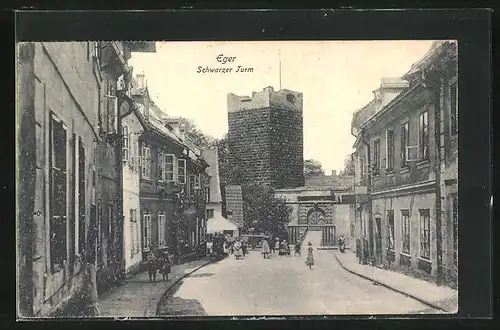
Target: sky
335 77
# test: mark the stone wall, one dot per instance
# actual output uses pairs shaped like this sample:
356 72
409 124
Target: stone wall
266 137
234 204
249 139
287 148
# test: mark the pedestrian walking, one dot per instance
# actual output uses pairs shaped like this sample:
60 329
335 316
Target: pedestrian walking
265 249
152 263
310 257
165 265
297 249
277 245
244 248
238 249
210 247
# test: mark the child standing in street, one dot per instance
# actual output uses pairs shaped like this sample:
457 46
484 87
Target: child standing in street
310 257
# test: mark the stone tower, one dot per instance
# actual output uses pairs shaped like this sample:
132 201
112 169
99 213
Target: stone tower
266 136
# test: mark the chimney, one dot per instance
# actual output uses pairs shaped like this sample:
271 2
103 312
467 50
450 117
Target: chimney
141 81
182 131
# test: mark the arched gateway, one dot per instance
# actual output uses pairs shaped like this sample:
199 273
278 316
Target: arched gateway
317 211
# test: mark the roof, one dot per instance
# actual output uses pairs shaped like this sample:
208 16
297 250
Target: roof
437 48
218 224
369 112
361 115
212 158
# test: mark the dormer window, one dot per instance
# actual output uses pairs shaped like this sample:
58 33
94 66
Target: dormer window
290 98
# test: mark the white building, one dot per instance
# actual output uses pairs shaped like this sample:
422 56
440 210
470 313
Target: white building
132 129
215 221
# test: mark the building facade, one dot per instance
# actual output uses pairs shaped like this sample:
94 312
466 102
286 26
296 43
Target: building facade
132 129
69 99
213 199
58 134
399 142
266 137
172 185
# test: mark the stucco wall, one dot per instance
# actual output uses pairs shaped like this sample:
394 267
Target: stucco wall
131 194
413 203
66 85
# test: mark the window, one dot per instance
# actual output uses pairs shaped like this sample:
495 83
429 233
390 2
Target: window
424 135
169 161
454 107
161 167
197 181
126 143
425 234
390 149
405 140
58 216
137 156
210 214
181 171
207 195
111 227
99 234
363 170
97 51
162 226
455 228
146 162
405 231
81 197
376 157
133 236
146 231
390 230
192 179
111 106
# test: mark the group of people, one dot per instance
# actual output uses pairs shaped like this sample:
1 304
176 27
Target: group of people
158 261
283 248
220 246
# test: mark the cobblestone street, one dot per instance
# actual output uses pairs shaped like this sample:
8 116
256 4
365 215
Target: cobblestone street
282 286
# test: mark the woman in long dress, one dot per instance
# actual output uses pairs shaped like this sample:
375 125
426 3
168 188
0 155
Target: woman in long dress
265 249
238 248
310 257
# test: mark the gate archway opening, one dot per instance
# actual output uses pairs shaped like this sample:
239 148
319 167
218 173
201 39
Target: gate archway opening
316 216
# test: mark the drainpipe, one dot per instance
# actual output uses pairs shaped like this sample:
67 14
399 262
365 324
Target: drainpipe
121 217
434 88
368 189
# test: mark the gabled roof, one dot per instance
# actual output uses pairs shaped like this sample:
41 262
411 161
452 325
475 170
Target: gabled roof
437 49
211 157
360 116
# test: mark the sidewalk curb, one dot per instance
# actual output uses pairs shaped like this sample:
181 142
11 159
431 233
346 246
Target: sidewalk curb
167 291
432 305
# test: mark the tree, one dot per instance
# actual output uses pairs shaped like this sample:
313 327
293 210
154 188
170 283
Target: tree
348 166
263 211
230 173
313 168
196 136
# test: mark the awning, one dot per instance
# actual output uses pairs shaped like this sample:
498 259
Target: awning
218 224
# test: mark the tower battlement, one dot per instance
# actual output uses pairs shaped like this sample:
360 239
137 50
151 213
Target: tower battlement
267 98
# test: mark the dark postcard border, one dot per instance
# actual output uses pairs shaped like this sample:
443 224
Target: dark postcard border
470 27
